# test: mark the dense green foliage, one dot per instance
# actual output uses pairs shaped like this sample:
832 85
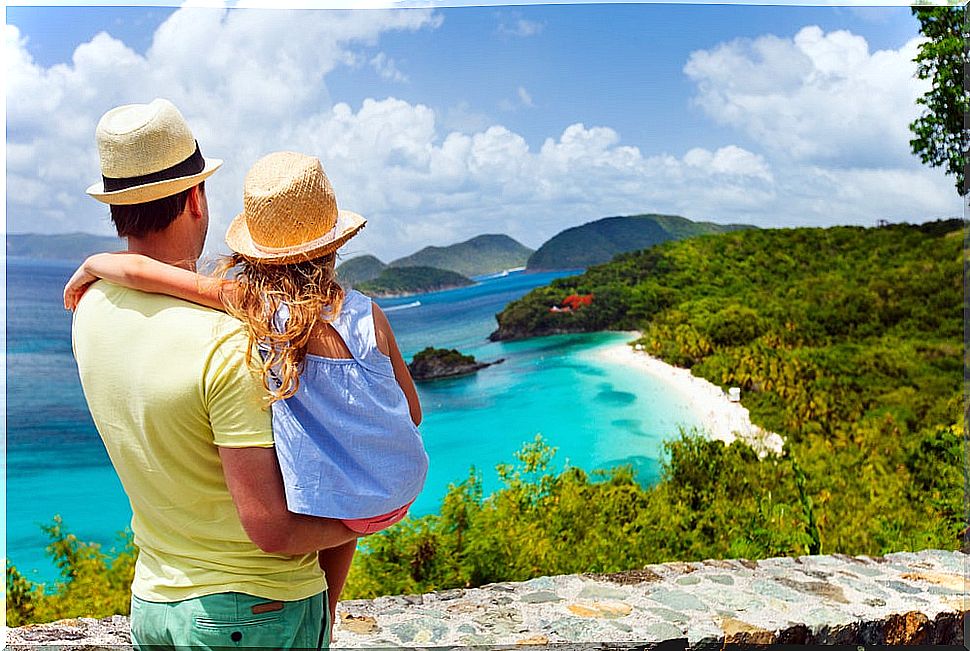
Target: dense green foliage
412 280
481 255
443 355
713 501
93 583
941 131
598 241
359 269
72 247
846 341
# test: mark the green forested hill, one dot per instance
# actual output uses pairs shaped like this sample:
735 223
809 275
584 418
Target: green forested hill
412 280
360 269
485 254
598 241
846 340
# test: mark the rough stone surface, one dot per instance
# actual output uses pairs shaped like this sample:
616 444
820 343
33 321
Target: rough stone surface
905 598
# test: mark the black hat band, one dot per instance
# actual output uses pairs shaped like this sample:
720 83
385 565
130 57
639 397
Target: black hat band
190 166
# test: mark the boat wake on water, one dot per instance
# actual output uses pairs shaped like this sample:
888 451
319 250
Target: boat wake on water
406 306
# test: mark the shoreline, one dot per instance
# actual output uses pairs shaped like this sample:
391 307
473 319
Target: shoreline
721 419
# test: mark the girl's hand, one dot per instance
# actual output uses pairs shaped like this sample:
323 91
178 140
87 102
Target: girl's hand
76 286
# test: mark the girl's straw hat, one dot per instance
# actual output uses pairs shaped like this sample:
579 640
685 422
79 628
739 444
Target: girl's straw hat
147 152
289 212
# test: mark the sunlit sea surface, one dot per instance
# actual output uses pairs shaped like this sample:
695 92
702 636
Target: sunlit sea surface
596 413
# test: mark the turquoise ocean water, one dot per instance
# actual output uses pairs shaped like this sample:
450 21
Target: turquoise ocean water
596 413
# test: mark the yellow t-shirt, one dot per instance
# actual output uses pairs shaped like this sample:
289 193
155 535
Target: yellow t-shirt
167 383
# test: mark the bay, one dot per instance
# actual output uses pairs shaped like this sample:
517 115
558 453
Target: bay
597 415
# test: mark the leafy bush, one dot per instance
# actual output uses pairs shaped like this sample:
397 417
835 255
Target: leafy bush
93 583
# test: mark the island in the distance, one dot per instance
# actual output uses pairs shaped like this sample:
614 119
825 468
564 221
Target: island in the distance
401 281
435 363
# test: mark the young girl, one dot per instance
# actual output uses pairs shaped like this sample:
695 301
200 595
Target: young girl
345 410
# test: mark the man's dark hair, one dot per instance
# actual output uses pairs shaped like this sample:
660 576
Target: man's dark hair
140 219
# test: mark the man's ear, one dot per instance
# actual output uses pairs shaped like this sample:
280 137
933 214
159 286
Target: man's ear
193 201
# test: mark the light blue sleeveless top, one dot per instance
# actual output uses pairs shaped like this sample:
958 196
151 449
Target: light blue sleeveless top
346 443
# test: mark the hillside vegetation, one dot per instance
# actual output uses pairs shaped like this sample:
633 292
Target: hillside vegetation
599 241
846 341
395 281
485 254
359 269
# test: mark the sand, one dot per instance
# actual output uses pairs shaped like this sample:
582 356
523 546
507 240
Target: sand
721 418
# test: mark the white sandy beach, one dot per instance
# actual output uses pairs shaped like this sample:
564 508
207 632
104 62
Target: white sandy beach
723 419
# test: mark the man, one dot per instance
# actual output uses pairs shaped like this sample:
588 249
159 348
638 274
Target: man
221 561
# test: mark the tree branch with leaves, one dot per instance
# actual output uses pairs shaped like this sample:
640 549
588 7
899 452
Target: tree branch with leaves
941 131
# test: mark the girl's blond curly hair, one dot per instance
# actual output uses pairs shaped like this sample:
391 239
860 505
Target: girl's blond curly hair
310 291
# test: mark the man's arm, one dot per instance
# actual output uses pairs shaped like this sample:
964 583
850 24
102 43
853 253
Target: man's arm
243 435
256 485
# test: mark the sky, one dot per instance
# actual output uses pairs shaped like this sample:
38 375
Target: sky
440 124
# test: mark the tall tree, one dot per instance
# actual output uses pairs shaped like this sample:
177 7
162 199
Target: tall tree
941 131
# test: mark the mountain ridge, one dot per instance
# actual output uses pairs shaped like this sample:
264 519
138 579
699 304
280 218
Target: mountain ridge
481 255
600 240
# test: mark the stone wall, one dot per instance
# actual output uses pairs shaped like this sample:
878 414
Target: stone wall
903 598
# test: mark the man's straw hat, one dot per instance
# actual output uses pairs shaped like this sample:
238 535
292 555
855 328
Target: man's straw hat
147 152
289 212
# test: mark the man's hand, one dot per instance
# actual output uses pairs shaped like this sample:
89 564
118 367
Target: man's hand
256 485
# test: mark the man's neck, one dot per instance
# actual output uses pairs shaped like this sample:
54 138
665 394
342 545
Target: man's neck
164 250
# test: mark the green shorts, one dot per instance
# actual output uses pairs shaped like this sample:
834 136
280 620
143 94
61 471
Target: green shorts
231 620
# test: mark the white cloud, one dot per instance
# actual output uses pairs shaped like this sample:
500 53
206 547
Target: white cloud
522 99
245 80
462 117
387 68
730 160
423 178
818 97
520 27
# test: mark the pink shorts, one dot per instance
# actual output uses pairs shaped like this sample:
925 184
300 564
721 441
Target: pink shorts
378 522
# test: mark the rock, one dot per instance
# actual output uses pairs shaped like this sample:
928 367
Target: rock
447 595
671 615
621 626
419 631
601 609
740 632
436 363
816 588
602 592
631 577
908 628
678 600
662 631
541 597
955 583
899 586
360 625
